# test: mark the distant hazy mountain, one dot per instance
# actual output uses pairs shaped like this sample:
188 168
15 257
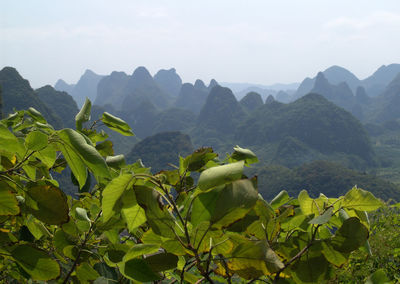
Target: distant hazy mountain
376 83
251 101
221 111
389 102
174 119
283 97
161 149
1 104
168 81
141 87
109 89
334 75
309 125
85 87
239 87
62 86
340 93
373 85
192 97
61 103
18 94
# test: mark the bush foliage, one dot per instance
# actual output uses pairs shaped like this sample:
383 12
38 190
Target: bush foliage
132 226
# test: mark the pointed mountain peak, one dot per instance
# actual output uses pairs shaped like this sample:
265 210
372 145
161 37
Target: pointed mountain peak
270 99
212 84
320 80
141 72
199 84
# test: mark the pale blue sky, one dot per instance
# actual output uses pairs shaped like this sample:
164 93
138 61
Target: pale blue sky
257 41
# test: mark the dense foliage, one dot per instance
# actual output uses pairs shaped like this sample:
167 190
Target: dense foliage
135 226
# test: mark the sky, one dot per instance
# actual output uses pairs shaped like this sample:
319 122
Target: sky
255 41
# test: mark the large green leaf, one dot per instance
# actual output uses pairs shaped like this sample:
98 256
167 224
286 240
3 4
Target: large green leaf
140 250
310 269
83 115
8 201
36 263
219 175
351 235
10 143
252 259
157 215
361 200
48 203
138 269
85 273
113 192
246 155
88 154
225 204
133 214
162 261
36 141
47 155
197 160
333 256
311 206
116 124
323 218
36 115
281 199
75 162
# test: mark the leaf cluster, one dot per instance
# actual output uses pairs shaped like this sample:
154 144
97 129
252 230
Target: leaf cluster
133 226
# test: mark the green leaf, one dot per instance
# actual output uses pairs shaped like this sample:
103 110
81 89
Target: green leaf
220 175
197 160
361 200
138 269
83 115
88 154
75 162
116 124
81 214
105 148
36 141
162 261
279 200
37 116
86 273
47 155
310 206
252 259
246 155
133 214
311 269
49 202
8 201
112 193
116 161
333 256
140 250
225 204
158 217
36 263
322 219
10 143
351 235
378 277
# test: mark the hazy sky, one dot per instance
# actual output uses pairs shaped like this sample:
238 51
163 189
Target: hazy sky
257 41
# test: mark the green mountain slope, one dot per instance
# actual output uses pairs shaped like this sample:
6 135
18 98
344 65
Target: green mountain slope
314 123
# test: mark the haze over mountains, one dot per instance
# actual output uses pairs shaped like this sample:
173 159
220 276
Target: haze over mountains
333 116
